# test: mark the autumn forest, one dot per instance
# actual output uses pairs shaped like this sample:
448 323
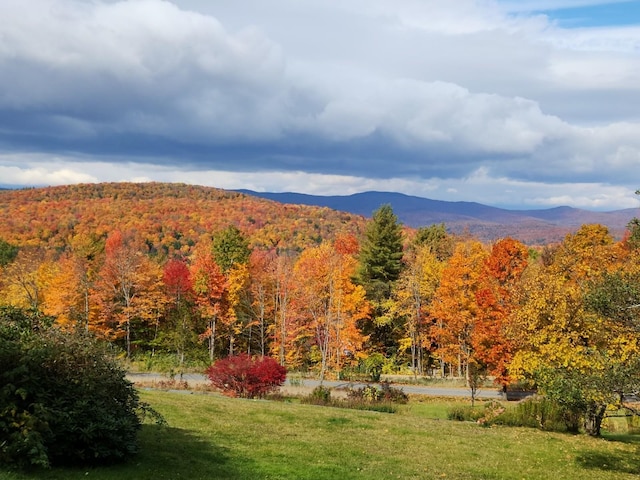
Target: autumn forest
197 274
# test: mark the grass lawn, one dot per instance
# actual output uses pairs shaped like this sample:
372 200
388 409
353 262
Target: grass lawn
214 437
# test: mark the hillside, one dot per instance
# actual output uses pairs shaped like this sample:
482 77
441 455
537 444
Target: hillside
169 217
485 222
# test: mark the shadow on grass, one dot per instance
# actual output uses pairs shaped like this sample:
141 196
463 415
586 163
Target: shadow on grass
610 462
165 453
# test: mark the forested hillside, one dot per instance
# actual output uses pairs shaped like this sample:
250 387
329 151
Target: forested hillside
171 218
193 274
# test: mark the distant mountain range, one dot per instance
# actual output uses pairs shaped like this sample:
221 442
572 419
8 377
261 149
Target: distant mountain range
485 222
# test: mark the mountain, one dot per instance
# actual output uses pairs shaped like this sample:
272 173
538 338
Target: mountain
487 223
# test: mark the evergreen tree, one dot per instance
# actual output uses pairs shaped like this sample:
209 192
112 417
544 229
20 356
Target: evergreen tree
380 266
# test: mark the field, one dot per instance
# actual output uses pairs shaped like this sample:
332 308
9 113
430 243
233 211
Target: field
214 437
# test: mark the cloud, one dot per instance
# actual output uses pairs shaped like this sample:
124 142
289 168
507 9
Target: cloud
359 93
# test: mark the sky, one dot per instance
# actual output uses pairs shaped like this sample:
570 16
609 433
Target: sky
512 103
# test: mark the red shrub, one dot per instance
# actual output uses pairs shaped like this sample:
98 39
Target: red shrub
245 376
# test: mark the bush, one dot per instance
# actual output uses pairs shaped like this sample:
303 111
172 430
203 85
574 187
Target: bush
483 415
245 376
540 412
63 400
465 413
373 365
372 394
320 395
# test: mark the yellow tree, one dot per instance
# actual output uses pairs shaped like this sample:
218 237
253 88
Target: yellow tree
284 334
26 278
329 304
550 326
263 283
63 297
560 340
412 297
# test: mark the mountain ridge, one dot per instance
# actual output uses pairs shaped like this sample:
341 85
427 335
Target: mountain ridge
486 222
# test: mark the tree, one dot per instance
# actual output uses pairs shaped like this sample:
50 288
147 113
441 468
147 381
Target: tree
25 279
380 265
455 311
284 336
231 252
230 248
128 289
412 297
503 271
178 288
63 296
437 239
262 285
569 339
633 229
329 304
633 237
210 289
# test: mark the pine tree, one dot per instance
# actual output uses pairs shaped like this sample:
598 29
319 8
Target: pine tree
380 266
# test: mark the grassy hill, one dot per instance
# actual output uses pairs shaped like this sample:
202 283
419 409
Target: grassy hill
214 437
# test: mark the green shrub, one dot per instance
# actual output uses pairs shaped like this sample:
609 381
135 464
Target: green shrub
373 366
63 400
465 413
384 394
540 412
320 395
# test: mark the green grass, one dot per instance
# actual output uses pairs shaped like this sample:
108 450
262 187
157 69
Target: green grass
214 437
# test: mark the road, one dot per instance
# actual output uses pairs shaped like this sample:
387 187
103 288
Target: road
308 384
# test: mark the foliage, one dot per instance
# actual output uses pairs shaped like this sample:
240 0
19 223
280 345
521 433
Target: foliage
380 264
245 376
320 395
633 239
373 366
435 237
455 312
329 305
8 253
465 413
63 398
539 412
385 393
230 248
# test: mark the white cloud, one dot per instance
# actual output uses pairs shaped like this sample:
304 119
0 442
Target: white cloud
482 185
413 95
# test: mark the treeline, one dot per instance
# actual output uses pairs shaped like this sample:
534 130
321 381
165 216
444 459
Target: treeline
564 318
